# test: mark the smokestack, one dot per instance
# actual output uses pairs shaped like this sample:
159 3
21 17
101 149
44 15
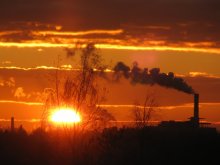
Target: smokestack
12 124
196 110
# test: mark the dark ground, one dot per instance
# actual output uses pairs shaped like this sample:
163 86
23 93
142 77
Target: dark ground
112 146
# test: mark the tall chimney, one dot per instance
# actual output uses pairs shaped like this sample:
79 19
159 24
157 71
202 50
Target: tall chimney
196 110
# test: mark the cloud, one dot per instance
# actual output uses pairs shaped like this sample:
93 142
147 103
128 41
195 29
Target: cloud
10 82
7 62
19 93
116 46
65 67
43 96
62 67
126 37
202 74
115 10
78 33
33 97
171 107
20 102
182 23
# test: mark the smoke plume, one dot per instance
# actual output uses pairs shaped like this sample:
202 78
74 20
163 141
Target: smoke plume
151 77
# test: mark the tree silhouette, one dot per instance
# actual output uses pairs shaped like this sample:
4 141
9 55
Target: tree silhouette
142 114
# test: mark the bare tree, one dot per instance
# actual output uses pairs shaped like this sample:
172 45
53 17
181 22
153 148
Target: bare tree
81 90
143 113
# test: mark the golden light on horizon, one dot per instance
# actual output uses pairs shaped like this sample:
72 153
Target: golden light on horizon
117 46
65 116
79 33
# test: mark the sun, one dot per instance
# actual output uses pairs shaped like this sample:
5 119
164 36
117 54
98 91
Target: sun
65 116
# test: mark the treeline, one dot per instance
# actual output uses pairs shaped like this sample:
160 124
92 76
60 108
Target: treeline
112 146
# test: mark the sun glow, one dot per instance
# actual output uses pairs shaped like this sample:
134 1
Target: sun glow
65 116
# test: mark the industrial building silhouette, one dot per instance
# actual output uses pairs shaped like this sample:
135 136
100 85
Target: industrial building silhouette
193 122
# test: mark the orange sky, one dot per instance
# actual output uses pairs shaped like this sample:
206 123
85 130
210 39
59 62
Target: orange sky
23 71
22 91
180 37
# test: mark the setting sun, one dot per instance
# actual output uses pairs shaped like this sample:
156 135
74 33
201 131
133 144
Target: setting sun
65 115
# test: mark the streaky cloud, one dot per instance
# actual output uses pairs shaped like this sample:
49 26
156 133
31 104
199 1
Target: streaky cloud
20 102
171 107
202 74
79 33
42 44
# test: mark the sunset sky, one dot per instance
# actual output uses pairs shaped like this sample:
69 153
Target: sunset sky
181 36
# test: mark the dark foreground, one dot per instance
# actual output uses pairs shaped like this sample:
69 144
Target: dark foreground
127 146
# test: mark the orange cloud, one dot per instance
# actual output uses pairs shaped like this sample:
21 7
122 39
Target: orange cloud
4 33
19 93
111 46
117 39
33 44
10 82
22 120
159 48
200 44
158 27
6 62
66 67
20 102
36 68
79 33
187 105
202 74
142 107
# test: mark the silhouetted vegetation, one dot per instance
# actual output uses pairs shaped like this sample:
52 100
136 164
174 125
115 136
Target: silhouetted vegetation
112 146
143 114
79 88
